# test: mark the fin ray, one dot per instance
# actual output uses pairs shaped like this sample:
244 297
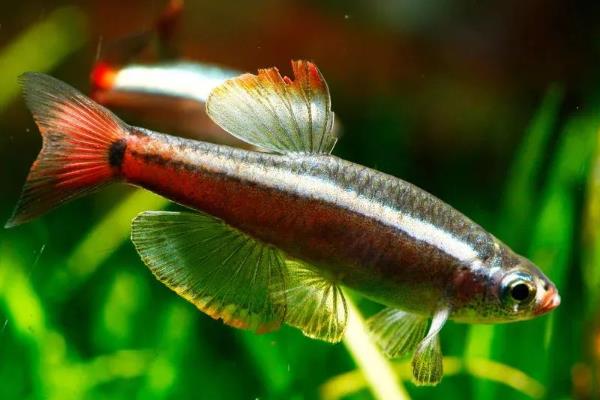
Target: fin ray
397 332
77 137
316 305
427 367
223 272
277 113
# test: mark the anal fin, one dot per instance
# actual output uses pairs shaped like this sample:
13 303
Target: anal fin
223 272
397 332
316 305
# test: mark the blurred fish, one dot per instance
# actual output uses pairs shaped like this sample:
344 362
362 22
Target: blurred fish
156 40
275 234
182 79
168 95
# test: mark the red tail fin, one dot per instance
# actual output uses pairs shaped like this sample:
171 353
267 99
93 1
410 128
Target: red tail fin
83 144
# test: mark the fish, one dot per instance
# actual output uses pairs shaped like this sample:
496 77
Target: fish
185 79
168 95
271 237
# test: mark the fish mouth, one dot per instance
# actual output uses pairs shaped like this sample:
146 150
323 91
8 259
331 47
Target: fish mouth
549 302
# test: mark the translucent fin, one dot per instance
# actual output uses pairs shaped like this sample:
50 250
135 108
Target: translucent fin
397 332
80 140
223 272
277 113
427 365
316 305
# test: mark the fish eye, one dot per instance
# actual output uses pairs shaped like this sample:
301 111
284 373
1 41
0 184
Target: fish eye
520 291
518 288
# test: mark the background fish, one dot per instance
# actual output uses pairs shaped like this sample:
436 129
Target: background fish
279 232
167 95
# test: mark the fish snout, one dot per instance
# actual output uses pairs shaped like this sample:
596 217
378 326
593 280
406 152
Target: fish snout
549 301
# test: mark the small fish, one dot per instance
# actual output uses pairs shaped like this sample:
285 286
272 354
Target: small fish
273 235
168 95
190 80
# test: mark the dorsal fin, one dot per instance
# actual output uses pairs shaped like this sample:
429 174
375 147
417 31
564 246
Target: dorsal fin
277 113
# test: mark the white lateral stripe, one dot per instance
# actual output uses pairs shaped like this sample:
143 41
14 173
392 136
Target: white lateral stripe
328 192
192 81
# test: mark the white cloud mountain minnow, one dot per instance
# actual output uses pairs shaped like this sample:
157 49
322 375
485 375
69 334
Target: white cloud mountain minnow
190 80
171 95
277 232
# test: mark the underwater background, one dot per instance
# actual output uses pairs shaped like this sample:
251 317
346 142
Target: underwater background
492 106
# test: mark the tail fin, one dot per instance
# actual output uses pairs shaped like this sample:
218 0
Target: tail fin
83 145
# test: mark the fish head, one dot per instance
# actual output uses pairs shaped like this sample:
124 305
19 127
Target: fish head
510 288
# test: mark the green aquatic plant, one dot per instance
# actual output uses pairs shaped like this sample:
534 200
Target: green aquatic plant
62 32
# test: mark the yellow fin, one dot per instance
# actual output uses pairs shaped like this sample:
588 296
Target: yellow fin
277 113
223 272
316 305
397 332
427 365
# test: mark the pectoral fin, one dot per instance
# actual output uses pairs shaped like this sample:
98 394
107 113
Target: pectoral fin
225 273
397 332
316 305
427 365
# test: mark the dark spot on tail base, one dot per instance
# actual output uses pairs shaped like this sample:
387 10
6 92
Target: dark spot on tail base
116 153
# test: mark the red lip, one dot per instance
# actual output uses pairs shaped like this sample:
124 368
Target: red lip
549 302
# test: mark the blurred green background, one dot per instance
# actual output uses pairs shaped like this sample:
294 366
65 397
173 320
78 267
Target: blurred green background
492 106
